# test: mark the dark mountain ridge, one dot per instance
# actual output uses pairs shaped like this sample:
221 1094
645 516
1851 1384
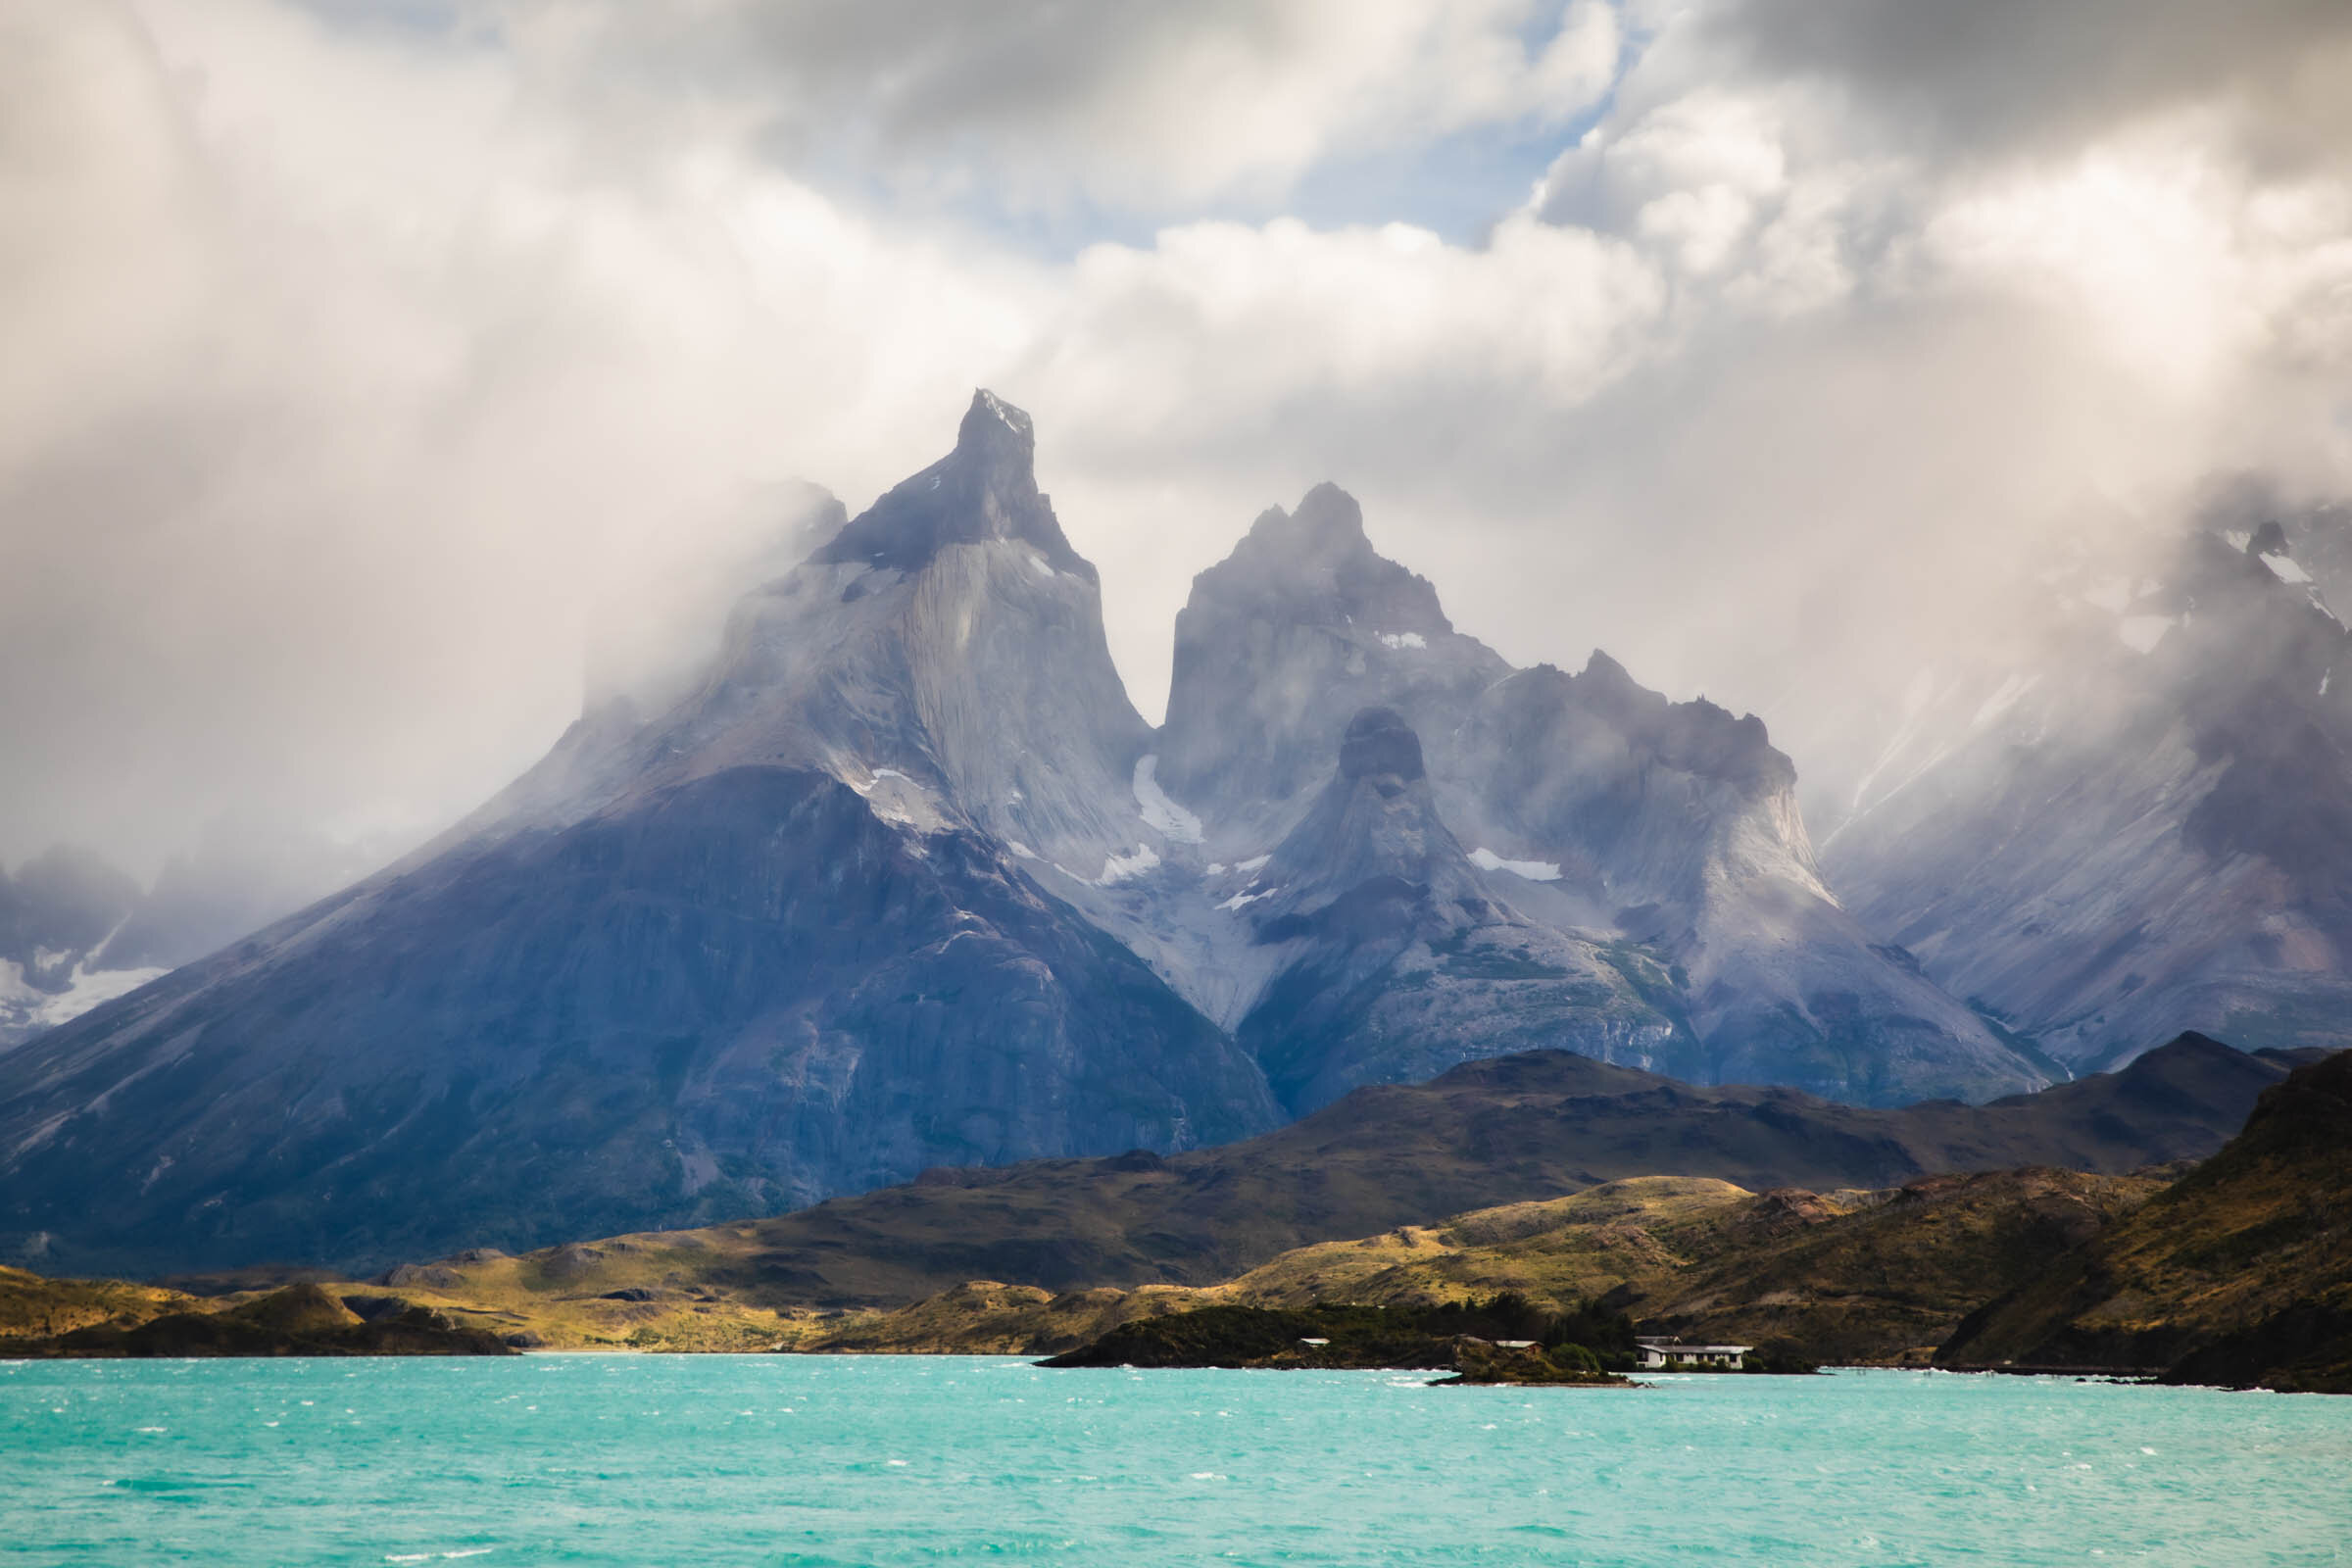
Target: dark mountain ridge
2240 1273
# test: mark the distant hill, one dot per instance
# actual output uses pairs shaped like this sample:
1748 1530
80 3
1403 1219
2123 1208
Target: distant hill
305 1320
2240 1273
1807 1278
1051 1255
1847 1276
1506 1130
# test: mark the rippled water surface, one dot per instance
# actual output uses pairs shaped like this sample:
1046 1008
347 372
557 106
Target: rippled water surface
648 1460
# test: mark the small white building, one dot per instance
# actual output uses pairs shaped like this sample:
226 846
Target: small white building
1659 1353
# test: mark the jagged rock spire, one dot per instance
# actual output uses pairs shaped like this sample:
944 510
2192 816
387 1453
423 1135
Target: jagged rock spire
1301 627
985 489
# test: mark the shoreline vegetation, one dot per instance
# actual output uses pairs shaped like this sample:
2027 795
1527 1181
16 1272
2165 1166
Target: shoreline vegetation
1503 1340
2234 1272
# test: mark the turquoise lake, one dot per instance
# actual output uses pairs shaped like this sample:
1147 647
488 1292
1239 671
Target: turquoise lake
658 1460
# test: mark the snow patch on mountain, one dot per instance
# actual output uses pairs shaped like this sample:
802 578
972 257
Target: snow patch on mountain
1121 867
1486 859
1005 411
1402 640
2141 633
33 1009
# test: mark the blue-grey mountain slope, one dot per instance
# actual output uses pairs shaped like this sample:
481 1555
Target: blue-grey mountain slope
783 939
2145 824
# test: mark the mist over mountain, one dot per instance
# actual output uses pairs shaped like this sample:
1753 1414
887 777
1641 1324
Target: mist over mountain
58 911
364 352
897 878
761 946
2141 823
77 930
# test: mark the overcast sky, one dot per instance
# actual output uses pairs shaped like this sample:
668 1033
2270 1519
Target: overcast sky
362 358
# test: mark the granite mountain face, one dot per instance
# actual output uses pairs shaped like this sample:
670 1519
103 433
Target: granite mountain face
901 879
1284 642
785 939
1395 958
1644 858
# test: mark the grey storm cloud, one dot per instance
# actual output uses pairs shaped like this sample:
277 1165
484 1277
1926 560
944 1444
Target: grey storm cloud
1998 77
373 370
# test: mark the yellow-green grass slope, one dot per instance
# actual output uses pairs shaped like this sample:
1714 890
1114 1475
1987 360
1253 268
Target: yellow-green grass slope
33 1305
1847 1277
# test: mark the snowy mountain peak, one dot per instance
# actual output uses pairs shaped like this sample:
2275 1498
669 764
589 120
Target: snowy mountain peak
1697 734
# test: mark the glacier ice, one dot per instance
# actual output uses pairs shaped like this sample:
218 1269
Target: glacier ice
1172 821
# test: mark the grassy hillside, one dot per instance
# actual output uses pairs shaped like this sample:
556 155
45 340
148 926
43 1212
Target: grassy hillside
2240 1273
298 1320
1849 1275
33 1304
